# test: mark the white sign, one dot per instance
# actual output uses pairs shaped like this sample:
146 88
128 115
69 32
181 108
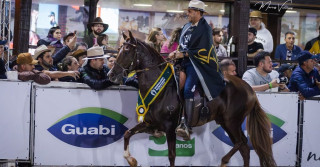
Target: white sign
311 135
14 119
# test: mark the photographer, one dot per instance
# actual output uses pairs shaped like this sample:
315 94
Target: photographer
262 77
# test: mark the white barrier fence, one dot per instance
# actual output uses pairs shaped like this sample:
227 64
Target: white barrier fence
75 125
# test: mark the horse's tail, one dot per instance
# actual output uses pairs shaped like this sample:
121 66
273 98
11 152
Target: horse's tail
259 133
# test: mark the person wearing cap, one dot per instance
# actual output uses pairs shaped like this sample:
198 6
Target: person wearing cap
80 54
305 78
263 34
263 77
95 28
199 61
26 71
313 46
228 67
253 46
288 51
94 73
48 63
286 70
52 19
217 40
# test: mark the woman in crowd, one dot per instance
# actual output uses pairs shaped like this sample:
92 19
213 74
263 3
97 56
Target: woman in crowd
156 38
53 39
69 63
172 44
110 62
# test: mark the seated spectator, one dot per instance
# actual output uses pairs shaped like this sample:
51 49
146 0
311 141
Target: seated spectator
172 44
288 51
69 64
286 70
313 46
156 38
80 55
217 40
48 63
253 46
53 38
227 67
27 72
2 70
262 77
305 78
94 73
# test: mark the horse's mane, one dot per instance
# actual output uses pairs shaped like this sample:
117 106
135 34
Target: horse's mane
150 49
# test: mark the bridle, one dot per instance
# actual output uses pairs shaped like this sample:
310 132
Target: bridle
135 62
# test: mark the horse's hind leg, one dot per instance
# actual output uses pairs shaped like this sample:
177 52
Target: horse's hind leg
137 129
234 133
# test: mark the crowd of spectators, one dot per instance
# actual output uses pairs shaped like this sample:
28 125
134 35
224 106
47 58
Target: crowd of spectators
58 58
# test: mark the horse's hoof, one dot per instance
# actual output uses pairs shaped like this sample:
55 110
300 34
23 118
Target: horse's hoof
132 162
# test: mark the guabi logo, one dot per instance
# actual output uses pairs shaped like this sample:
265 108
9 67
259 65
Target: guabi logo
276 132
183 148
90 127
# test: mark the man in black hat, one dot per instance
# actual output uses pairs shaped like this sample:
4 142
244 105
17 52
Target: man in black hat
199 61
313 46
95 28
305 78
253 46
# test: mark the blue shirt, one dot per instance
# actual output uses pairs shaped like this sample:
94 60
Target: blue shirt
281 52
304 83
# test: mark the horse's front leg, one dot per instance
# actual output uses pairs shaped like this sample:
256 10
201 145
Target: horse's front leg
137 129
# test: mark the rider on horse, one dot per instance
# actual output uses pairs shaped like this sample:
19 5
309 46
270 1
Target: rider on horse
199 62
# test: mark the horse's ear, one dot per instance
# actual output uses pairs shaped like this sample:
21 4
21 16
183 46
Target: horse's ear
124 35
132 39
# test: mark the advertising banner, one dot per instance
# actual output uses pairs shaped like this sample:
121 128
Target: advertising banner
86 127
14 119
311 135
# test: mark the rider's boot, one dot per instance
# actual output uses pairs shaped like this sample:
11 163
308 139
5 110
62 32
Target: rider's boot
184 128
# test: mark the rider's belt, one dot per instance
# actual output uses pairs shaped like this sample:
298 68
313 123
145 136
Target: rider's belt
145 102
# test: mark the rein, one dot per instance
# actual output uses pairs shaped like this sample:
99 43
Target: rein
135 57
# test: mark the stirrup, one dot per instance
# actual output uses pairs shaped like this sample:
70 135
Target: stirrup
183 131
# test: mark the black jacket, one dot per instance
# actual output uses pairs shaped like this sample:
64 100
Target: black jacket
96 79
311 42
2 70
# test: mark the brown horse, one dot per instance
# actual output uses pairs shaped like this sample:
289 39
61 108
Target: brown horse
229 109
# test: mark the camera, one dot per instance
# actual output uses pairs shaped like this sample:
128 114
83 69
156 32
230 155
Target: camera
282 80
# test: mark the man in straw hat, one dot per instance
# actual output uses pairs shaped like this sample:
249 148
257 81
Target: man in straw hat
94 73
199 62
27 72
263 34
47 63
95 28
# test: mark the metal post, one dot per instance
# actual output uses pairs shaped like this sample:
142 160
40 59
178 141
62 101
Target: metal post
300 132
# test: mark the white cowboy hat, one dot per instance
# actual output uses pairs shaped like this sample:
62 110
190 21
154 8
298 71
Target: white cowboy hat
39 50
196 5
96 52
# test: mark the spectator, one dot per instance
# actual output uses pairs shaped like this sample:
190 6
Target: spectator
253 46
156 38
313 46
110 62
103 41
227 67
288 51
2 70
81 45
95 28
69 63
48 63
94 73
172 44
217 40
27 72
80 55
262 77
305 78
67 38
263 34
286 70
53 39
